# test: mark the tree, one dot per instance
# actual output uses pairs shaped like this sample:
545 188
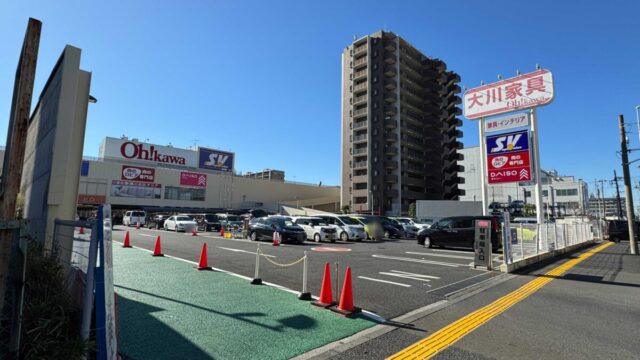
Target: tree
412 210
529 210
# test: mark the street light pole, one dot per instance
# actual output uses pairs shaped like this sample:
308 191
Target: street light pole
631 219
638 119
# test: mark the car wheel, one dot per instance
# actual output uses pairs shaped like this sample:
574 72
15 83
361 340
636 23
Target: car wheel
427 242
175 227
344 236
253 236
316 238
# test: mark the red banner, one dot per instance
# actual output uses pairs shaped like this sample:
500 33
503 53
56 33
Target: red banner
138 173
193 179
511 167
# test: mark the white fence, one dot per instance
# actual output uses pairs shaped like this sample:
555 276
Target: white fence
527 240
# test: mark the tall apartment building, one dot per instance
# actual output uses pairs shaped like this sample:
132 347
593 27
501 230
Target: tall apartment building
399 126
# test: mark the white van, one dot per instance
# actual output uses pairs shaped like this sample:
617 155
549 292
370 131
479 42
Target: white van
316 229
131 218
349 229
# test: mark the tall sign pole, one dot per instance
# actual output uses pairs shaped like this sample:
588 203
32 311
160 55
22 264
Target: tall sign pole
483 170
536 167
631 219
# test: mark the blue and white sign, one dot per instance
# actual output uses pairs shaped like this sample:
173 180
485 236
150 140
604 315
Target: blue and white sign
215 159
508 143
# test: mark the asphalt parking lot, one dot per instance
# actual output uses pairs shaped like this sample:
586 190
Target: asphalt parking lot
390 278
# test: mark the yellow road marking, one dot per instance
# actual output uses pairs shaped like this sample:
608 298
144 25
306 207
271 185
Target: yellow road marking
455 331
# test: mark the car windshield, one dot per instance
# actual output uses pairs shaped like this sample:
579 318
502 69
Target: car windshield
284 222
365 220
183 218
404 221
347 220
318 222
211 218
137 213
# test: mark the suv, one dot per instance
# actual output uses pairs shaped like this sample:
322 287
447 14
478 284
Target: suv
264 227
134 217
458 231
207 222
349 229
317 229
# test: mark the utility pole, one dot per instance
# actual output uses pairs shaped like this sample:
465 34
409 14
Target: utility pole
615 179
631 219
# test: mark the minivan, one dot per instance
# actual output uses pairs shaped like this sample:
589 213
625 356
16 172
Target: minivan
350 229
134 217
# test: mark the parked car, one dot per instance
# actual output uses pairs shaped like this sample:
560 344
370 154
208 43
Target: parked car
408 225
134 217
618 230
179 223
349 229
388 228
317 229
230 220
264 227
458 231
207 222
156 221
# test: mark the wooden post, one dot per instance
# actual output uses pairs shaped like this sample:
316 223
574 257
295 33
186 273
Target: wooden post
16 141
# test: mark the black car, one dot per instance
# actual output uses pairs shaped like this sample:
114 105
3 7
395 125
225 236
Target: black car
207 222
264 227
618 230
458 231
392 228
156 221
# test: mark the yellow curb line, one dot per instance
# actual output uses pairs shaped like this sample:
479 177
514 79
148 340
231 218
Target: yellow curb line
455 331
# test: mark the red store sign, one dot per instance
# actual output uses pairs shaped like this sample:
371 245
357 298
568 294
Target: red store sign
193 179
138 173
511 167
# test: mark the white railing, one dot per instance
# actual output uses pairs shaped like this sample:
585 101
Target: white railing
527 240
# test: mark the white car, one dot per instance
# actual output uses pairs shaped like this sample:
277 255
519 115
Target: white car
317 229
348 228
180 223
408 225
134 217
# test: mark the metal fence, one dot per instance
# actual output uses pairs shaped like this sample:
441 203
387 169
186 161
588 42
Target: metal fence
527 240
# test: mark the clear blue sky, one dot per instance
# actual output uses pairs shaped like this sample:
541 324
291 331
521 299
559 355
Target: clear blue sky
262 78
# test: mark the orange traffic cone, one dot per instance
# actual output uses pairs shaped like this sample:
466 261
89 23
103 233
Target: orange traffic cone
326 296
222 231
194 232
138 225
156 250
202 264
81 231
346 307
276 238
127 242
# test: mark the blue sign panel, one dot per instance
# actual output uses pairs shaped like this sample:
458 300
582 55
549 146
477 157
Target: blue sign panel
215 159
84 168
508 143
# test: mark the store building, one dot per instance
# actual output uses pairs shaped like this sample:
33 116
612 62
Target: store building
562 195
399 126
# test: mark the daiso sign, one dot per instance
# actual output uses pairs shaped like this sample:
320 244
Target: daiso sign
131 150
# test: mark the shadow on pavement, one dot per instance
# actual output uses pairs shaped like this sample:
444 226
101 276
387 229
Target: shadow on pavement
157 341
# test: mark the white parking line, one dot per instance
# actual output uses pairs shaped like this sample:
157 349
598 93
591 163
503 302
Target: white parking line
452 251
244 251
457 282
408 275
441 255
417 260
383 281
147 235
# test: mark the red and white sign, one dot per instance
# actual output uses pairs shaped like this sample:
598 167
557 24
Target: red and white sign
520 92
193 179
511 167
138 173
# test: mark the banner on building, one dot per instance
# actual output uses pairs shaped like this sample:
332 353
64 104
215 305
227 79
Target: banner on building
215 159
508 158
135 189
193 179
138 173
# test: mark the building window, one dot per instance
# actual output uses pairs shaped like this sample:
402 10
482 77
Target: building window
181 193
545 192
567 192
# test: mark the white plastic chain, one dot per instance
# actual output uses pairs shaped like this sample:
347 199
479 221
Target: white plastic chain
278 264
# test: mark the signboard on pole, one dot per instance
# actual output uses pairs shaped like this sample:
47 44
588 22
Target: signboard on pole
508 158
520 92
506 122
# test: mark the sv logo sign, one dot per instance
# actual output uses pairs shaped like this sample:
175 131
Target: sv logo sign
507 143
216 160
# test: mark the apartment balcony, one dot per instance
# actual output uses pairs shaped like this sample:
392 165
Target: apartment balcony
360 179
414 169
391 110
362 87
359 113
359 124
390 150
391 192
391 165
390 58
358 63
390 97
360 165
390 45
359 139
360 74
390 84
391 137
390 123
362 99
390 71
364 193
360 50
390 178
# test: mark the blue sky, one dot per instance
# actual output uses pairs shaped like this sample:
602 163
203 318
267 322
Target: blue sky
262 78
